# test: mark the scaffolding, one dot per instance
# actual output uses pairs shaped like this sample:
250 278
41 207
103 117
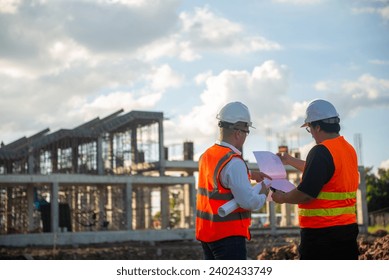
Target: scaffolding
102 176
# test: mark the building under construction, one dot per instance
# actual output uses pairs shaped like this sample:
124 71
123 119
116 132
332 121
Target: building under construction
107 180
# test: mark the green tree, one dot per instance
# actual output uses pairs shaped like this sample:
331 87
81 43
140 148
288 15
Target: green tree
377 192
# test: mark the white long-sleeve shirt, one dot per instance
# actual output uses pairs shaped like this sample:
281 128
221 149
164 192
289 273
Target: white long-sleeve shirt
234 177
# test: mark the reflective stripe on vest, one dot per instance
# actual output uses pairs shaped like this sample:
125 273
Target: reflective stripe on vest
230 217
331 211
337 195
217 168
215 194
327 212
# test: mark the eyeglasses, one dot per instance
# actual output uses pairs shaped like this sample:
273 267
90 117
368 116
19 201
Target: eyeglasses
245 131
308 128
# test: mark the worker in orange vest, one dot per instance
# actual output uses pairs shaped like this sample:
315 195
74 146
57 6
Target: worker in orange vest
224 175
326 196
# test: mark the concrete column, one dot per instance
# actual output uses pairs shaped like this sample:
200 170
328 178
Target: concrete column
30 207
140 208
273 218
54 160
285 215
186 221
110 205
74 156
99 156
128 205
101 205
9 209
296 216
192 201
111 154
31 161
362 214
161 149
165 207
181 207
147 208
134 147
189 203
54 207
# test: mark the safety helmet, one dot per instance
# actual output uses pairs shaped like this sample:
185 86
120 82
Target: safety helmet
320 110
234 112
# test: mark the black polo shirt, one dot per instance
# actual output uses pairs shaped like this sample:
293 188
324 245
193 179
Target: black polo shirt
319 168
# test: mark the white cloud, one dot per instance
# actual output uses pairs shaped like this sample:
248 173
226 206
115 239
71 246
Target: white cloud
298 2
379 62
77 110
204 26
66 62
202 77
163 77
322 86
135 3
367 91
263 90
120 28
382 11
368 88
9 6
67 51
169 47
13 70
118 100
208 31
202 31
384 164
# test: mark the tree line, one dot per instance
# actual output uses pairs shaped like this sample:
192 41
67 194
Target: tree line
377 189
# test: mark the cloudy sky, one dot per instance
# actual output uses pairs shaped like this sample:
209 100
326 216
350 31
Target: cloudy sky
63 63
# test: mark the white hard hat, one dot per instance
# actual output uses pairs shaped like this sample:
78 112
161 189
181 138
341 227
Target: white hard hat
320 109
234 112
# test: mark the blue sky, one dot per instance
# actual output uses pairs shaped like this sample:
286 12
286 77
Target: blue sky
63 63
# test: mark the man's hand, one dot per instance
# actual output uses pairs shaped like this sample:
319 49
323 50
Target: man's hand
285 158
278 197
259 176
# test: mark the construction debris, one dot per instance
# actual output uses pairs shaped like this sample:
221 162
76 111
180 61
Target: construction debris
375 249
372 247
287 252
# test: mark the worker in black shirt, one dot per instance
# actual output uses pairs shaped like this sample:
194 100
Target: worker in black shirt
326 196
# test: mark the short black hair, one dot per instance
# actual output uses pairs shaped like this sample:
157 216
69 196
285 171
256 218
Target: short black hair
327 127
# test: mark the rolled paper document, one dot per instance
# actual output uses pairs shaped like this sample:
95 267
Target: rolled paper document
227 208
231 205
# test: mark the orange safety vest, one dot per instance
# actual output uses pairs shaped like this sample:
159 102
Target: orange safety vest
211 195
336 202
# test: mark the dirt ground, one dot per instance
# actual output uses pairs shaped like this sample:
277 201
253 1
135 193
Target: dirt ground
372 247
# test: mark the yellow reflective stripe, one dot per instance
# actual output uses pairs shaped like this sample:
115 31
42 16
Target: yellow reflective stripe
337 195
327 212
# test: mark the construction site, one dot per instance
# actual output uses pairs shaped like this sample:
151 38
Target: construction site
112 180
